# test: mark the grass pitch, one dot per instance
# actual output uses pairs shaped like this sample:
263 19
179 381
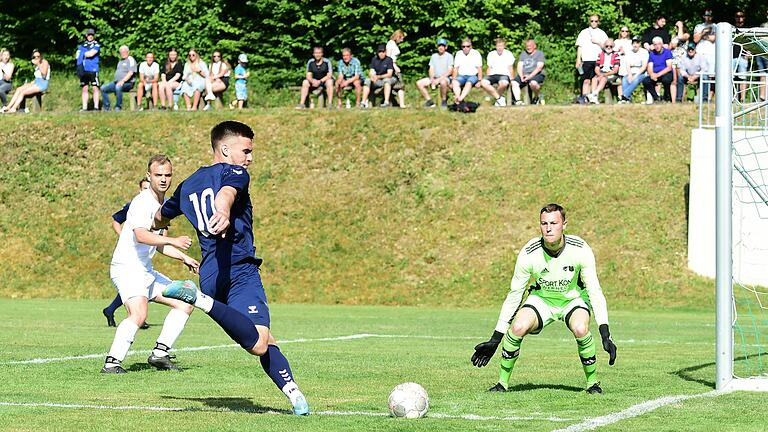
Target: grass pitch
347 380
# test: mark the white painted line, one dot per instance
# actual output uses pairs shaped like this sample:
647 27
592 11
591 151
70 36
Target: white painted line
42 360
634 411
471 417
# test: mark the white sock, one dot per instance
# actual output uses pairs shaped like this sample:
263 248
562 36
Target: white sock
204 302
292 391
124 335
172 328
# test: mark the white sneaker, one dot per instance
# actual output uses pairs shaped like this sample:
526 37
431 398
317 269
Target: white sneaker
175 107
207 107
591 98
500 102
364 104
210 97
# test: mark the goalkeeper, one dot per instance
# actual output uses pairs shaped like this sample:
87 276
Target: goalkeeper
565 287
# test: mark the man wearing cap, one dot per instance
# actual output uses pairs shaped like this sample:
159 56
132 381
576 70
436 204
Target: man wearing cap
440 70
350 73
467 70
530 72
319 74
690 68
707 24
124 76
659 70
656 30
87 58
379 76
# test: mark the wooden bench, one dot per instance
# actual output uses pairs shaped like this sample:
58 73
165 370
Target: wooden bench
37 102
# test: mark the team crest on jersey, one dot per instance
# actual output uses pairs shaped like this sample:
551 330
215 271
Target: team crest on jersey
568 268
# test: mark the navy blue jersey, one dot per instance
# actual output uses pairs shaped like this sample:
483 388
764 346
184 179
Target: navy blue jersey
121 215
194 198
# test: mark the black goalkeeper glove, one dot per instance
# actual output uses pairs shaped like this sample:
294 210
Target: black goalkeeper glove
484 351
608 344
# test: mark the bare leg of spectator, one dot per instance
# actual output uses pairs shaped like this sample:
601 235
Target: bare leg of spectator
96 94
140 96
196 100
329 93
387 92
358 91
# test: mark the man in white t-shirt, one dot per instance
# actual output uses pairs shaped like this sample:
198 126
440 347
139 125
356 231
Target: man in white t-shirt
589 45
149 72
467 70
500 71
635 64
135 279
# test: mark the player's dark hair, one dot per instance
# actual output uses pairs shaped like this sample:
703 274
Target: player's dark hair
159 159
229 128
549 208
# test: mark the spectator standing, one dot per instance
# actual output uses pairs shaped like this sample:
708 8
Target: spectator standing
6 76
218 79
588 47
656 30
623 41
439 75
393 52
606 71
740 64
195 72
123 82
659 70
467 70
708 25
691 66
636 64
500 69
678 52
379 76
241 79
87 59
149 74
530 72
706 48
319 75
170 80
761 62
39 85
350 72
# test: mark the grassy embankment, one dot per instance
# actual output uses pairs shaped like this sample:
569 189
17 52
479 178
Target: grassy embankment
382 207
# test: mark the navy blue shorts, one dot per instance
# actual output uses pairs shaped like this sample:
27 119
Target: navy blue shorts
241 289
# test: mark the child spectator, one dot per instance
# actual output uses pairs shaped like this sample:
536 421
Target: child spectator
241 78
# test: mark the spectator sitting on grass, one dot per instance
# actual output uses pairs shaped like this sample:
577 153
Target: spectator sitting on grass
606 71
170 80
379 76
691 66
636 63
500 71
6 76
39 85
241 79
530 72
319 75
195 72
350 73
467 70
218 79
440 71
149 73
123 82
659 70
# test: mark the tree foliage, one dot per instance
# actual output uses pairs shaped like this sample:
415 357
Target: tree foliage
278 35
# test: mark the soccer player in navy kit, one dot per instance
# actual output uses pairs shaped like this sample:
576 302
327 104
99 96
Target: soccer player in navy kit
215 200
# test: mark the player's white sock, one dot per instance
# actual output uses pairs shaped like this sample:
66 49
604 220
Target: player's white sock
292 391
204 302
124 335
172 328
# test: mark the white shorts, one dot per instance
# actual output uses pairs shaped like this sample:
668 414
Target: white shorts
547 313
132 283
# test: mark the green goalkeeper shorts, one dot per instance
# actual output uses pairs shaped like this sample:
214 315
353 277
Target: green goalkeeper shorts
547 313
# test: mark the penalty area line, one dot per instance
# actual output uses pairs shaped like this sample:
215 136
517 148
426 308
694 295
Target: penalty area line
471 417
634 411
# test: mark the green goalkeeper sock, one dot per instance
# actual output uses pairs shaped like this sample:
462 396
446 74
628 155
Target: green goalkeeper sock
510 349
586 347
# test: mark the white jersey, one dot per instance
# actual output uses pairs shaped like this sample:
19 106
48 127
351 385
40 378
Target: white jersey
558 279
129 254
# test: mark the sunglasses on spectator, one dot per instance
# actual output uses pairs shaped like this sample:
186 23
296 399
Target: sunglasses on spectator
609 46
594 20
216 56
466 46
36 56
624 31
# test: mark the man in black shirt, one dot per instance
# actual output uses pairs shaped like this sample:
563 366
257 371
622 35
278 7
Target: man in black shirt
657 29
379 76
319 74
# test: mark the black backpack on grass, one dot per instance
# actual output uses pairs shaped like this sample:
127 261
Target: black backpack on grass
464 107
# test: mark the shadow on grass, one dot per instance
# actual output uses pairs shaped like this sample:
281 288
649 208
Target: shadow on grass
532 386
687 373
235 404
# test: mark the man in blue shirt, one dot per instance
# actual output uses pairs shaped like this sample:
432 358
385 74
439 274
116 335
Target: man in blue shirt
215 200
659 70
88 67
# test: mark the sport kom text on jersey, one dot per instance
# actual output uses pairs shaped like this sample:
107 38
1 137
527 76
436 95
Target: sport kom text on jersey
194 198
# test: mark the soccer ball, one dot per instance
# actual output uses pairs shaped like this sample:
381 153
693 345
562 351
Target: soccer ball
408 400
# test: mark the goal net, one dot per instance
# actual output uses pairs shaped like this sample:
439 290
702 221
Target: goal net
741 123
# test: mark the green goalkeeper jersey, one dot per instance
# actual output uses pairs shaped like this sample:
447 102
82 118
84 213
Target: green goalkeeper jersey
557 279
